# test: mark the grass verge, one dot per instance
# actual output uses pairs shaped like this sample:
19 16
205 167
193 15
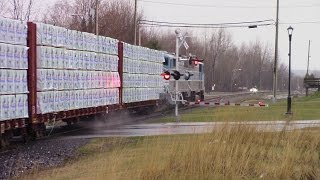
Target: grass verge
227 153
306 108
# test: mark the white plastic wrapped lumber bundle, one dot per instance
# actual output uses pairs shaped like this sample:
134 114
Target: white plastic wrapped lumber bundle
13 56
78 69
142 67
112 96
5 107
49 35
63 100
13 73
13 106
13 31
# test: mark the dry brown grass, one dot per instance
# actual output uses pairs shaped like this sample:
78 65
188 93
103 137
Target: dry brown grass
236 153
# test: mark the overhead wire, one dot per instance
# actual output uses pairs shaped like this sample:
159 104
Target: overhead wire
149 23
203 27
229 6
302 22
267 22
218 24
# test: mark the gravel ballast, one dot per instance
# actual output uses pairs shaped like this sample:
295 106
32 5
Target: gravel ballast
38 154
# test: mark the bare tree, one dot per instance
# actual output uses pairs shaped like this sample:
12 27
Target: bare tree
218 44
115 17
227 75
4 7
223 63
60 14
21 9
118 20
17 9
166 39
221 56
282 77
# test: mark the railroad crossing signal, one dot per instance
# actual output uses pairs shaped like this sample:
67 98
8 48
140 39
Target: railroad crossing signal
187 76
166 75
260 104
193 60
176 75
185 44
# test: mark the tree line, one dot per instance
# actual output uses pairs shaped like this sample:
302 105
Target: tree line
228 66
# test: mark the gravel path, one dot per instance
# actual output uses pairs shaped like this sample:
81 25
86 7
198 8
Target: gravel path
38 154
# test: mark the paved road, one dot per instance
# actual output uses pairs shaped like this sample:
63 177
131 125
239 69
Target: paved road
186 128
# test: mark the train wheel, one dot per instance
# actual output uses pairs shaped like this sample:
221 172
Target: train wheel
69 123
75 120
31 135
26 138
2 144
152 109
43 130
202 95
40 130
143 111
4 141
193 96
197 98
36 131
98 117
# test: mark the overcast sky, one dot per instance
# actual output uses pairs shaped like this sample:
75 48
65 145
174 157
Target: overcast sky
219 11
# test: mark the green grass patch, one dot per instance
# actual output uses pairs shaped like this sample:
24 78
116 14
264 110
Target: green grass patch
306 108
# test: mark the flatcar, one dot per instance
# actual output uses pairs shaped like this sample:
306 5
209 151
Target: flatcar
50 73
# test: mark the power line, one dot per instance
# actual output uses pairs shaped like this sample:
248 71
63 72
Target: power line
225 6
253 24
203 27
217 24
267 21
250 24
302 22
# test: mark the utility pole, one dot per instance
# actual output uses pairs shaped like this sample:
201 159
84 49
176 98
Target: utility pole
275 66
178 33
308 58
135 22
97 18
139 34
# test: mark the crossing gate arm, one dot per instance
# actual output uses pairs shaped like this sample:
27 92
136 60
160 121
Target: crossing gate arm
226 104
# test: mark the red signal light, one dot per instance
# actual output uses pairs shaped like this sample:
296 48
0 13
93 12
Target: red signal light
193 60
166 75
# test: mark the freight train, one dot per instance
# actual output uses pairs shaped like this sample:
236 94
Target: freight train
50 73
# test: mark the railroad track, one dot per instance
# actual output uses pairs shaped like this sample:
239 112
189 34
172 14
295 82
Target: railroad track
112 120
